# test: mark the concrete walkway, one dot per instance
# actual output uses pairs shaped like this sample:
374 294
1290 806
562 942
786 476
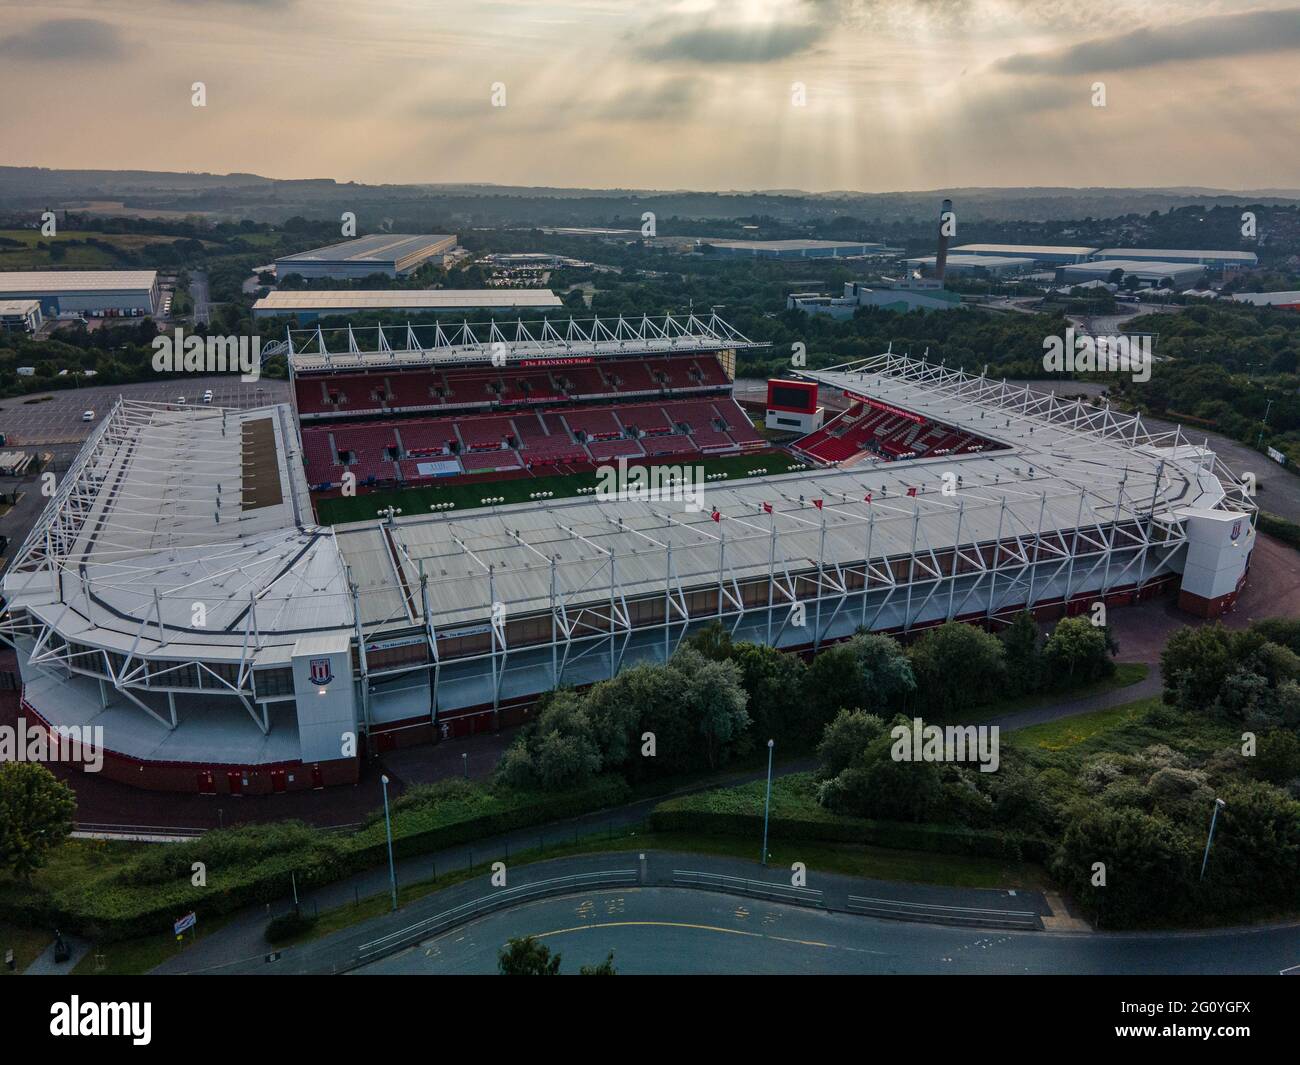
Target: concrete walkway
45 965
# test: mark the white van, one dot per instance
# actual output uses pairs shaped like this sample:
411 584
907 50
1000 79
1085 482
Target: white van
87 415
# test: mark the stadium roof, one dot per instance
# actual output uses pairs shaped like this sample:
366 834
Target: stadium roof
377 248
372 348
57 281
166 508
1064 464
425 299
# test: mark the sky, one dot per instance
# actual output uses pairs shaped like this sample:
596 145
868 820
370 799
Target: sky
819 95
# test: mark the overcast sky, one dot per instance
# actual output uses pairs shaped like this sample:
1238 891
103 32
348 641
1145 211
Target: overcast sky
705 94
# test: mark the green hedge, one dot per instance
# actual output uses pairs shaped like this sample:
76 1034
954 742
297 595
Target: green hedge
795 814
1280 528
252 864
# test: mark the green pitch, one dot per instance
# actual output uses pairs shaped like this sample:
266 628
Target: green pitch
340 510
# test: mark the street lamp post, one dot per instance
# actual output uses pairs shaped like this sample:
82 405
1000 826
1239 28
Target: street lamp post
1219 804
767 803
388 829
1264 424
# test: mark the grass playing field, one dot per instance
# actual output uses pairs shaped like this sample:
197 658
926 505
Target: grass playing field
339 510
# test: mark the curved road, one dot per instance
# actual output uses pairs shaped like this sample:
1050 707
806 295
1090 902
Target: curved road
679 931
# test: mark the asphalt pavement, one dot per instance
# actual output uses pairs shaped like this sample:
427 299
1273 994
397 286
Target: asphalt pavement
681 931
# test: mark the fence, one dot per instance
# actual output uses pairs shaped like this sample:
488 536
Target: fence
958 915
467 911
761 889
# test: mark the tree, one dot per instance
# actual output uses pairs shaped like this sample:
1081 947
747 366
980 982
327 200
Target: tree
1148 866
869 672
774 681
1194 663
713 641
605 968
527 957
1022 655
956 666
1078 650
36 812
877 786
845 741
566 753
712 696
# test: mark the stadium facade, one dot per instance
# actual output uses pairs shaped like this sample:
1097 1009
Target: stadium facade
178 592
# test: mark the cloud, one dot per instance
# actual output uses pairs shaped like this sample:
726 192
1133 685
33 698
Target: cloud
241 3
672 99
70 38
1212 37
720 36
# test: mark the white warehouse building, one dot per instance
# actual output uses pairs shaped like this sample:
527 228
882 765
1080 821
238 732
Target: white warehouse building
120 292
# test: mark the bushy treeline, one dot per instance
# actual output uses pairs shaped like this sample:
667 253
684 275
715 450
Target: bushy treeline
716 700
1125 817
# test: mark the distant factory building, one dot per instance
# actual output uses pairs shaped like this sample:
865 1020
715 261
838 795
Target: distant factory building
793 249
393 254
899 296
1216 259
977 265
1147 273
1039 253
109 292
20 316
308 306
1289 301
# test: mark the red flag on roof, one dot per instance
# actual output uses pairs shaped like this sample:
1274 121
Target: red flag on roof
817 503
912 491
767 508
716 515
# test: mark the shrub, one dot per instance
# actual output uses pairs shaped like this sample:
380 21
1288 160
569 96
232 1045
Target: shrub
288 925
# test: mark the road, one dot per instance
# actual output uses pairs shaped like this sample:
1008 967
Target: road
679 931
199 292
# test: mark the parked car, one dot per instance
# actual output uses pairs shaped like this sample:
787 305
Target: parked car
207 396
87 415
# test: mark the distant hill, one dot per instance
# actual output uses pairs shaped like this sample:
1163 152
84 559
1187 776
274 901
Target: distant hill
466 205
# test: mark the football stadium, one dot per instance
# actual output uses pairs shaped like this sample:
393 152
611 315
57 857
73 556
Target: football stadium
417 547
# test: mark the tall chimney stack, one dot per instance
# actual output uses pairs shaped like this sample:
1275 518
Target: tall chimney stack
941 256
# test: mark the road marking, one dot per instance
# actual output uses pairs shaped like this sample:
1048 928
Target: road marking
695 927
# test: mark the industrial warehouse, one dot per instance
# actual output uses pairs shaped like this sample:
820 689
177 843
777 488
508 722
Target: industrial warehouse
308 306
393 254
72 292
179 593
